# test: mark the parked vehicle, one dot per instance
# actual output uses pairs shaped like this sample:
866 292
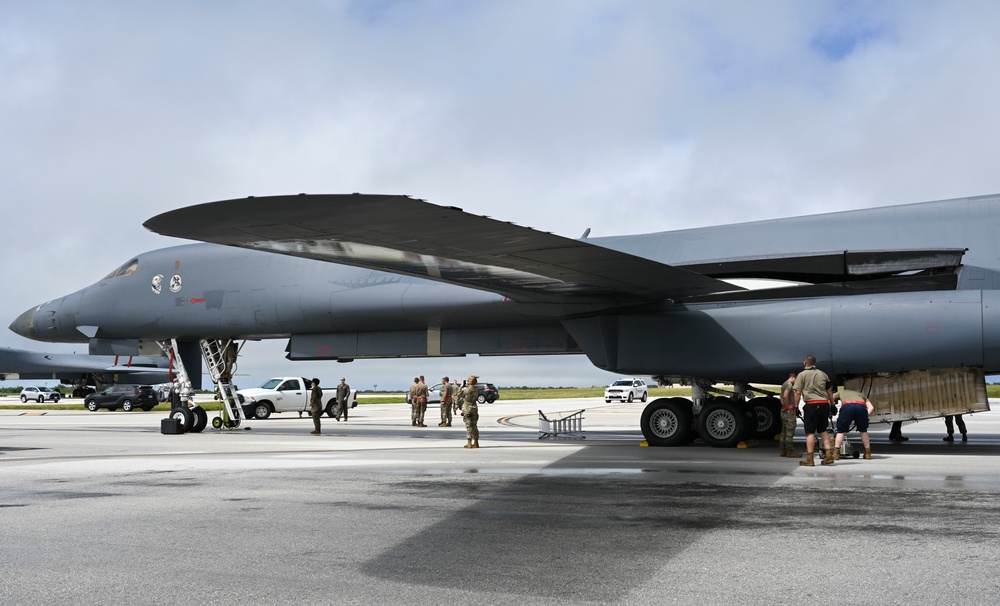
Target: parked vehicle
40 394
287 394
627 390
488 393
126 397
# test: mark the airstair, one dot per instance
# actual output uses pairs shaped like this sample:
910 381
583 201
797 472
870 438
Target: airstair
570 426
220 359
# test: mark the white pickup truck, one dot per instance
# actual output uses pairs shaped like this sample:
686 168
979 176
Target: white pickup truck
288 394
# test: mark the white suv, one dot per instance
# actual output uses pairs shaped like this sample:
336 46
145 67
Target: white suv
626 390
40 394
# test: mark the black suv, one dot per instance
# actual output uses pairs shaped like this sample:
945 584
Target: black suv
487 393
126 397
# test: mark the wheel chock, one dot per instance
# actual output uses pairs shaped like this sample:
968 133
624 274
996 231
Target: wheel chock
644 443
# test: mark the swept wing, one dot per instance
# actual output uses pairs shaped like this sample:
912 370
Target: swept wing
409 236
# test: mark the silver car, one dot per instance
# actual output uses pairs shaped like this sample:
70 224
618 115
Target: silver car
40 394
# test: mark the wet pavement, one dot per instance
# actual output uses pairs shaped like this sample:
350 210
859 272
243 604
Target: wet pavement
100 508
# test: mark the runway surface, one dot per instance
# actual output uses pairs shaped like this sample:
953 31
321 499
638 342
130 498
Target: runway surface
101 508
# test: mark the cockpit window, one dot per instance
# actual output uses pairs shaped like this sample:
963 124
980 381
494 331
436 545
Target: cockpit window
125 270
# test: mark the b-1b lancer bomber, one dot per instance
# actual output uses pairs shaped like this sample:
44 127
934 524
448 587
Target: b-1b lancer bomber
899 302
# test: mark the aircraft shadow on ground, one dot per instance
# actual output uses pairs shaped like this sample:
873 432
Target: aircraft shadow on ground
553 534
590 532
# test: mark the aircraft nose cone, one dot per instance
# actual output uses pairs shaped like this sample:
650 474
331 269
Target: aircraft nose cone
24 324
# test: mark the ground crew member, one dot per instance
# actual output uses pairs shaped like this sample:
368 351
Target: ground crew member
316 404
421 398
413 401
789 416
343 398
896 433
229 354
447 401
812 386
459 400
854 407
950 427
470 413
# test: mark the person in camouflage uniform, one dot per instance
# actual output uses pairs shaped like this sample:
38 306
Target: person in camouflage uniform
456 391
470 413
789 418
446 403
316 405
413 401
420 392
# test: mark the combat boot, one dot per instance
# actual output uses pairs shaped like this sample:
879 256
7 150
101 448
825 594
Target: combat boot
441 424
836 453
783 452
468 444
830 455
447 424
475 443
808 461
868 453
314 432
791 454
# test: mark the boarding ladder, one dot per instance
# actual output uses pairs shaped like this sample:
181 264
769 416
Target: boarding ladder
220 359
570 426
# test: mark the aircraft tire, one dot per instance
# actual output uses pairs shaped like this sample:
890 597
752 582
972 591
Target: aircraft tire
200 419
185 416
667 422
723 423
767 417
262 410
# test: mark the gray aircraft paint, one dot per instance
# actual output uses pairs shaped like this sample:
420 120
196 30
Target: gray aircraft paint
328 310
23 364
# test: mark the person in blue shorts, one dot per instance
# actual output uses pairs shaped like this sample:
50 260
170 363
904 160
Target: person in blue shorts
854 408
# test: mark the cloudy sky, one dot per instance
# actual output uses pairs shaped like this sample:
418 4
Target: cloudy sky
561 115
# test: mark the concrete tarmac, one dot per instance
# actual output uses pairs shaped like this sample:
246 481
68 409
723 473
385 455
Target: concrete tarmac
101 508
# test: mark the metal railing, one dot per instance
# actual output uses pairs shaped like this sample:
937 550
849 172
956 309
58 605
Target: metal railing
570 426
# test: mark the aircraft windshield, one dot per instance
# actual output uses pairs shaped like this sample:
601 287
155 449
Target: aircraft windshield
271 384
125 270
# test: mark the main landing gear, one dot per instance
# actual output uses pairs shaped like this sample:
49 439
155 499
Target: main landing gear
722 422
